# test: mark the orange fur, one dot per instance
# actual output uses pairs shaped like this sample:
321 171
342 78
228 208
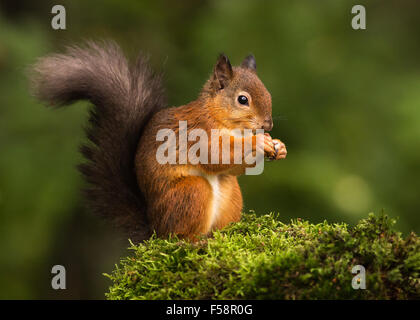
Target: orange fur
191 200
128 111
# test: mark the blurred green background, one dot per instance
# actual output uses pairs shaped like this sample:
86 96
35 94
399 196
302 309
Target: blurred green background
345 102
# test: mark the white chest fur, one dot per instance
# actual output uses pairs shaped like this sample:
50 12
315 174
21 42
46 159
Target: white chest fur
217 196
214 182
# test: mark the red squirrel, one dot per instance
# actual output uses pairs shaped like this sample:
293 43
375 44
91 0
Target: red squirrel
126 182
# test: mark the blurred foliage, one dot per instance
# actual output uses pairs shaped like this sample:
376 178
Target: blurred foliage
345 102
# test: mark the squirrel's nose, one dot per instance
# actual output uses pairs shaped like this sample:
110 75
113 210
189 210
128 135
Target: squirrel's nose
268 124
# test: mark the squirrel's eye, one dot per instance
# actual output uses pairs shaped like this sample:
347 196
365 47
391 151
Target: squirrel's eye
243 100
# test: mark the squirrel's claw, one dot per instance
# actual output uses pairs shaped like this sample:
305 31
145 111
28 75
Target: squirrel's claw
269 150
280 148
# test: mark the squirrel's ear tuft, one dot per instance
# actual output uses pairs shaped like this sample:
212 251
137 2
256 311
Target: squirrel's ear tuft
222 72
249 63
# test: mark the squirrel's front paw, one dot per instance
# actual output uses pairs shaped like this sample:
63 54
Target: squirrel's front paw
280 148
269 148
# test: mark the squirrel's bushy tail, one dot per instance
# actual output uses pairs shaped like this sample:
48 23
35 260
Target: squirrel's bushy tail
124 98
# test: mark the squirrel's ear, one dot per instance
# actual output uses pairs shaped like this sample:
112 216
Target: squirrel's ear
222 72
249 63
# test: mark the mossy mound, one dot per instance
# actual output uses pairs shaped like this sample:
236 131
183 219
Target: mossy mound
262 258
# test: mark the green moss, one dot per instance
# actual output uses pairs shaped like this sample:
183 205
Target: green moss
262 258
